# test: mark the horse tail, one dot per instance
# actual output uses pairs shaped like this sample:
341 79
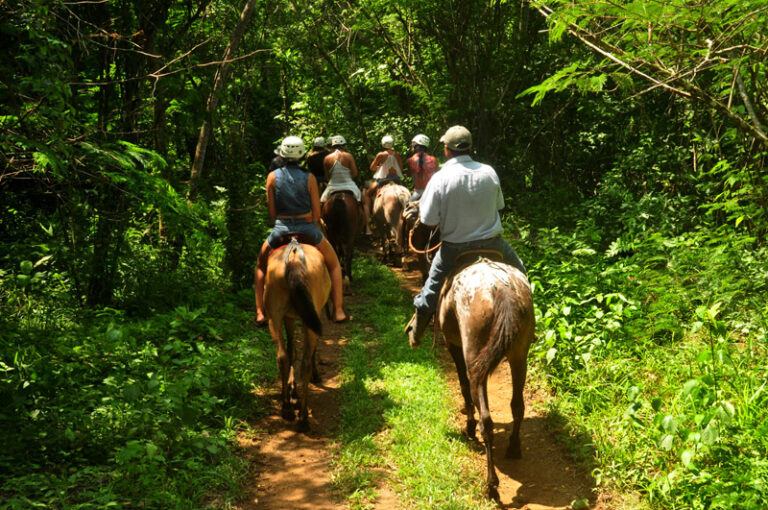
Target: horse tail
337 216
297 278
504 329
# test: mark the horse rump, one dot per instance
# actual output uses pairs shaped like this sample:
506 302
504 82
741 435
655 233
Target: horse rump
337 218
504 329
297 279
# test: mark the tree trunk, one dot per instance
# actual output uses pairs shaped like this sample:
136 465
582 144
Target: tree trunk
213 101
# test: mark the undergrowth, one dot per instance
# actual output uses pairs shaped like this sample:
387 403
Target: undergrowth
652 330
111 411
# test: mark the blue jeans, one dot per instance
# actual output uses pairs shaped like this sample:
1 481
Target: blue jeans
300 225
426 300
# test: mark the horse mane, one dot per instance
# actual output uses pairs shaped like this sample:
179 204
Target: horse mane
297 280
504 329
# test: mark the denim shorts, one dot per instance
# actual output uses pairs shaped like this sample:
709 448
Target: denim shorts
301 225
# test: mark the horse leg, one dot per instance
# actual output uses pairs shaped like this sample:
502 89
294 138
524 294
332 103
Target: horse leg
284 363
310 344
290 347
469 408
348 252
519 369
480 394
315 379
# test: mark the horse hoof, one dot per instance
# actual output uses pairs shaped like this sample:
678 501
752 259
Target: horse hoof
514 453
470 429
303 426
492 493
316 379
288 414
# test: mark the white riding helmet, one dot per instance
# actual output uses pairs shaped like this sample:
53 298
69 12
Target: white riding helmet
319 142
338 140
387 142
421 140
292 147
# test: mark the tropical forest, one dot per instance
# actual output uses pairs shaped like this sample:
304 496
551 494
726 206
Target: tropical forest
630 141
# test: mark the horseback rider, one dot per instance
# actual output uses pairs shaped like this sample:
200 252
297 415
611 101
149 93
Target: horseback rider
421 165
294 205
340 170
463 199
386 167
316 158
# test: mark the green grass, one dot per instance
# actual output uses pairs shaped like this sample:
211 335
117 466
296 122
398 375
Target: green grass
398 426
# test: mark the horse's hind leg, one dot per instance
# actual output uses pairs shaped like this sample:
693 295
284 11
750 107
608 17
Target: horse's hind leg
480 394
315 379
519 369
310 343
469 408
284 364
290 346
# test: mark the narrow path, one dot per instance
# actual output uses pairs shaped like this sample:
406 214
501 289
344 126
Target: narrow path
292 470
545 478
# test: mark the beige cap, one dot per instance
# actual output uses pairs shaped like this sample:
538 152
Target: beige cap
457 138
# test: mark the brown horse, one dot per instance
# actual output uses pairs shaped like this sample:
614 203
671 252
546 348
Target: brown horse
343 221
486 314
422 240
388 218
297 286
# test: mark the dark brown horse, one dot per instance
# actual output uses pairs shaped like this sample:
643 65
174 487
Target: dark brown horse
297 286
422 240
486 315
343 220
388 210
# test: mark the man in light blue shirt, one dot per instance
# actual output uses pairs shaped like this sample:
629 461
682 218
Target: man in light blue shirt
463 199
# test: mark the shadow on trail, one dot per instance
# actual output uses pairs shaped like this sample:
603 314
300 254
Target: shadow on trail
555 483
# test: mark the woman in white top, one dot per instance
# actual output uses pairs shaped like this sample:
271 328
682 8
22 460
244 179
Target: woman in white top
386 166
340 172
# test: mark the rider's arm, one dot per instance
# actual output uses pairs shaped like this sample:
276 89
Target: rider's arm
271 196
314 197
327 164
377 162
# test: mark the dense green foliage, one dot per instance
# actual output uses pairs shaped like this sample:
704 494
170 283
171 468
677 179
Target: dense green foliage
629 137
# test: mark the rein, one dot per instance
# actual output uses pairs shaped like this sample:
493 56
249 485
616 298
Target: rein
421 252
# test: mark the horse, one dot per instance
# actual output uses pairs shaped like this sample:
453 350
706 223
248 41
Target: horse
297 286
422 240
485 312
343 221
388 218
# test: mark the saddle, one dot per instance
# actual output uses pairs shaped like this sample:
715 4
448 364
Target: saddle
381 186
290 236
341 192
469 257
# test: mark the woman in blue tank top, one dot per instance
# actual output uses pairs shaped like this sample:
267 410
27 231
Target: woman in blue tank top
293 199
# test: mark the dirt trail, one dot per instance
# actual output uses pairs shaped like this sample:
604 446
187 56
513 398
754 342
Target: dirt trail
545 478
292 470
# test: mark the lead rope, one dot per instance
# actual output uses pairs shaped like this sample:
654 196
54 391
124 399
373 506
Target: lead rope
421 252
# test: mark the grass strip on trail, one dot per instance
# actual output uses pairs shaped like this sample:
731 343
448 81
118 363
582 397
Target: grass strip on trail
398 425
